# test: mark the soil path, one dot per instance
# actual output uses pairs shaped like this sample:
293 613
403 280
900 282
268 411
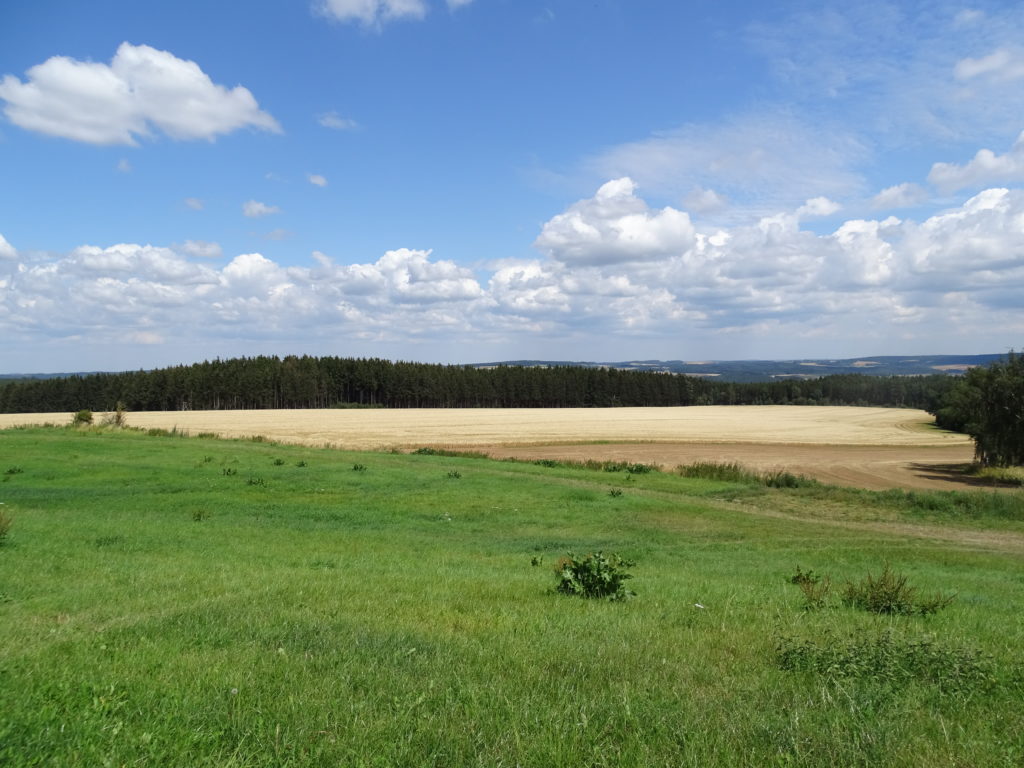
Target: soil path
875 467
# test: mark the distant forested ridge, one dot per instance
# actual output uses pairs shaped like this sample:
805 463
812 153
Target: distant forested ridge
325 382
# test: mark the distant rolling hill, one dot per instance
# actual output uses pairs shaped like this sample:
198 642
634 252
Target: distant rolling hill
773 370
729 370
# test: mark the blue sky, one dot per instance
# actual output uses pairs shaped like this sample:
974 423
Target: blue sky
474 180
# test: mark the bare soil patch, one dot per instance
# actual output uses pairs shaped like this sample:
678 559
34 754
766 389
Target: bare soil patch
873 467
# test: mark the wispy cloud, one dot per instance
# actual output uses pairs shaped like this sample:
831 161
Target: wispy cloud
336 122
255 209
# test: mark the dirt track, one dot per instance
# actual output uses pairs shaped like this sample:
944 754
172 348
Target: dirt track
865 447
874 467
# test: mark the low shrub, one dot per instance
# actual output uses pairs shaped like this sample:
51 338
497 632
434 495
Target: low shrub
255 481
594 576
426 451
81 418
889 593
814 588
550 463
358 467
729 472
733 472
615 493
118 417
454 475
640 469
783 479
278 462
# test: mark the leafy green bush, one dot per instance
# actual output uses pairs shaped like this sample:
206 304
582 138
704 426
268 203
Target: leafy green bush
81 418
889 593
594 576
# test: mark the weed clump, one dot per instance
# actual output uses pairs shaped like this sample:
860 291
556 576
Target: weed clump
6 521
594 576
890 594
890 658
733 472
358 467
815 588
640 469
118 417
454 475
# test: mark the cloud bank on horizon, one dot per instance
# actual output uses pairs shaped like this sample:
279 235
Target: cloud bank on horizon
855 187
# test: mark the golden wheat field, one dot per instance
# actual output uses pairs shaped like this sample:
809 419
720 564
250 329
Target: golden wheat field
865 447
403 428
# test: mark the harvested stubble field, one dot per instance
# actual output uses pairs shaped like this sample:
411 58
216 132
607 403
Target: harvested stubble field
872 448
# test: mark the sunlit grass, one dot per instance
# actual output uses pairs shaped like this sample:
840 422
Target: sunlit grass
156 610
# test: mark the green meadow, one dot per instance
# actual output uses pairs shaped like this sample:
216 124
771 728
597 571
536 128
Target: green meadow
180 601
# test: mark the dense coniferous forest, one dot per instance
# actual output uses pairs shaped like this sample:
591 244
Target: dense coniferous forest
988 405
325 382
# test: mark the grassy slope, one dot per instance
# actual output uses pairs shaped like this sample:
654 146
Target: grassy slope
391 616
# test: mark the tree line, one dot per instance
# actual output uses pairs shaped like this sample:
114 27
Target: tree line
324 382
988 404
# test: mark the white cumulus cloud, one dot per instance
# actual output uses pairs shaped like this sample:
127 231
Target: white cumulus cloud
7 250
142 89
985 168
613 226
254 209
317 180
194 203
818 206
615 271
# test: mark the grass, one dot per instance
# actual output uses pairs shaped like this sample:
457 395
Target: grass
159 610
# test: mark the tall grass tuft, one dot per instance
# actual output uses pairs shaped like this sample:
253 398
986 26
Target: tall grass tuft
889 593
